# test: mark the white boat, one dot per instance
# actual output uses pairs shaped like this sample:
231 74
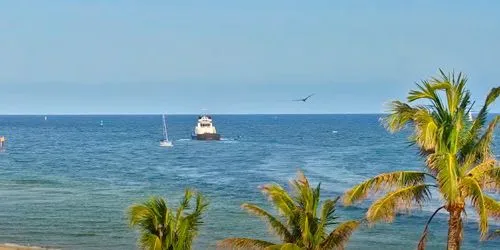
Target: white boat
470 116
165 142
205 130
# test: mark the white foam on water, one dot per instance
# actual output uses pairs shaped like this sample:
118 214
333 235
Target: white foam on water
228 140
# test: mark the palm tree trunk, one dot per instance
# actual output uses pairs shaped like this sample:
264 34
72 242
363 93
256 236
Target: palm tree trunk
455 229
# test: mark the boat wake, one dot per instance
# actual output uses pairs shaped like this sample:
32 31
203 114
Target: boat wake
229 140
226 140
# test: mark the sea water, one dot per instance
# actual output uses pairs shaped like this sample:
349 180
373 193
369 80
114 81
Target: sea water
67 181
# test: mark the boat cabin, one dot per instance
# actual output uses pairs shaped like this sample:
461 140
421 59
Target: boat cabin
205 125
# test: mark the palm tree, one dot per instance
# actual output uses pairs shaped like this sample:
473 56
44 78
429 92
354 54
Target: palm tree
300 224
162 228
457 152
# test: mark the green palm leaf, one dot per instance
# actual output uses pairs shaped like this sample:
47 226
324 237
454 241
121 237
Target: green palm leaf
473 191
401 114
281 199
481 117
273 222
492 206
384 181
338 238
404 198
448 176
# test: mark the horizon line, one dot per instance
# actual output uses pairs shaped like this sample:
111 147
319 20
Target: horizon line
144 114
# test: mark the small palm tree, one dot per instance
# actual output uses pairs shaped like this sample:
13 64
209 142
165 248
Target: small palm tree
162 228
300 224
457 150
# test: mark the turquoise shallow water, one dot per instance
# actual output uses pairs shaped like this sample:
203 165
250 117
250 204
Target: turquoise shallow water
67 181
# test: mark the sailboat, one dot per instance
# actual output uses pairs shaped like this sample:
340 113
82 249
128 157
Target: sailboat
165 142
470 117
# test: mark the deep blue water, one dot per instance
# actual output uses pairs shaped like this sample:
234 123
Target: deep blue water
67 181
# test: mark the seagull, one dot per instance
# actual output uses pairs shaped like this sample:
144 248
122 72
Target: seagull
303 99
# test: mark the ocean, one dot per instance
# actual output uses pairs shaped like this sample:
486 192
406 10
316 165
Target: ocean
66 182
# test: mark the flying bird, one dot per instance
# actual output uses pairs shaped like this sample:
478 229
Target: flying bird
303 99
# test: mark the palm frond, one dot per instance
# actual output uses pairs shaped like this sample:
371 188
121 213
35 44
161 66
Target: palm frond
305 196
490 180
426 130
327 212
428 90
482 149
487 174
400 114
492 207
194 219
447 177
244 244
137 213
148 215
339 237
481 117
150 242
280 198
308 226
482 168
492 96
276 225
383 181
402 199
473 191
423 239
184 203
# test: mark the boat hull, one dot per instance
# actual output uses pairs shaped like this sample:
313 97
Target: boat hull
206 137
165 143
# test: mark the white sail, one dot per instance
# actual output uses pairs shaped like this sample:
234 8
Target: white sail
165 142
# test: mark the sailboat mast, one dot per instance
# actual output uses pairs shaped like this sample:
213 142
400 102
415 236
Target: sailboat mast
165 133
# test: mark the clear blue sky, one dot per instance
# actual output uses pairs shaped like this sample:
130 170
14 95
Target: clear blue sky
109 56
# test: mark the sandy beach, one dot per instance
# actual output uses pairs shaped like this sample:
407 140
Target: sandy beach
7 246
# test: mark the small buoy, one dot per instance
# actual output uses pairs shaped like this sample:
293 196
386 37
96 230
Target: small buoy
102 123
45 117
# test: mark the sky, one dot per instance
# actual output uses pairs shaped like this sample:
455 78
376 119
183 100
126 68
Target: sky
134 57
